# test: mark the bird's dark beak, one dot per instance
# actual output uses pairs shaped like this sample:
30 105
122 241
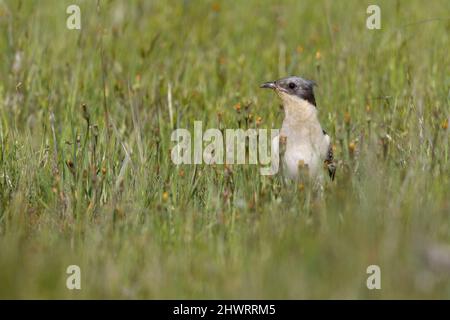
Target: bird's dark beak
268 85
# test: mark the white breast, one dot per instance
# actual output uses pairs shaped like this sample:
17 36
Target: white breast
305 142
307 150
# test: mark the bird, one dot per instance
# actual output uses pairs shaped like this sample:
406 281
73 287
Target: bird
306 144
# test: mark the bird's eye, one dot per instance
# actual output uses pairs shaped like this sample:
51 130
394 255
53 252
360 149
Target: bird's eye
292 85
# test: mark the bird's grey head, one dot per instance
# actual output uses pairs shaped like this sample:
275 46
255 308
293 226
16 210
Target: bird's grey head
295 86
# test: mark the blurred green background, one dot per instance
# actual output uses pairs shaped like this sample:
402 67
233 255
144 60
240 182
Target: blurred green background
85 170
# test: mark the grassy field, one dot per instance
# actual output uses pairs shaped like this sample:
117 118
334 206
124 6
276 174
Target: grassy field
86 176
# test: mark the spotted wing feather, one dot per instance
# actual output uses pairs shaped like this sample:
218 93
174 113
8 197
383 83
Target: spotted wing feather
329 161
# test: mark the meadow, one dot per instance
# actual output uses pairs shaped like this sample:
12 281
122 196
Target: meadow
86 177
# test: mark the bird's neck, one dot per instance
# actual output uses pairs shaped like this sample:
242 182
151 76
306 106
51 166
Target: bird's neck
299 113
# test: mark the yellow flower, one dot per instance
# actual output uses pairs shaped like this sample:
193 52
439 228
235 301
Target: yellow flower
347 118
300 49
165 195
445 124
318 55
215 7
351 147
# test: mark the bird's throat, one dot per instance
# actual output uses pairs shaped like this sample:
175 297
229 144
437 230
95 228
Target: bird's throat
298 112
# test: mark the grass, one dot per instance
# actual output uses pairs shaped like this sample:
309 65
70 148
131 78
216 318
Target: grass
85 170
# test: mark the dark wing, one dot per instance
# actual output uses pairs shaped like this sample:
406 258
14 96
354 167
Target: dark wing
329 161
